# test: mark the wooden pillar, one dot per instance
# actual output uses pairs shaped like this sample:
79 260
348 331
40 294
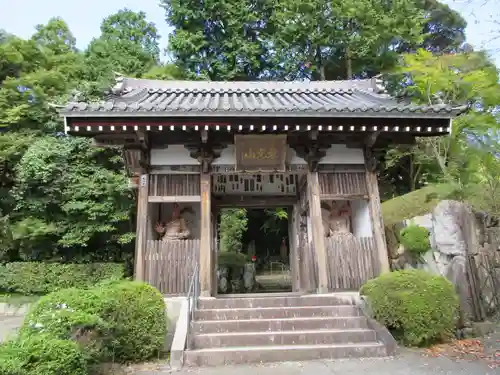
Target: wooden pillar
214 252
293 234
318 236
206 256
378 228
141 227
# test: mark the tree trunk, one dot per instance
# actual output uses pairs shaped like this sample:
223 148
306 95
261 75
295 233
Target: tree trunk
348 63
321 67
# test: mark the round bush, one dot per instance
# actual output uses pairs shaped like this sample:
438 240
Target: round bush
419 308
42 355
415 239
89 331
121 320
137 313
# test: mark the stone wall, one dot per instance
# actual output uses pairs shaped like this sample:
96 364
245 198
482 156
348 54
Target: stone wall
465 248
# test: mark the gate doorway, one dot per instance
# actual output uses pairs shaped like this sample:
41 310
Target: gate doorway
253 231
253 251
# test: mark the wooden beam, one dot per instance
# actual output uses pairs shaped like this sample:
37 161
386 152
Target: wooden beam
253 201
378 228
141 227
318 235
346 197
174 199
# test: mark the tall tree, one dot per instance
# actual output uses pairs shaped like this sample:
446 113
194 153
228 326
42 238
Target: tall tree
60 198
454 160
56 36
220 39
128 44
126 25
334 35
313 39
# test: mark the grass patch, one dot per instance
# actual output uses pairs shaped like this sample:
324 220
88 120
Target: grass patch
17 299
416 203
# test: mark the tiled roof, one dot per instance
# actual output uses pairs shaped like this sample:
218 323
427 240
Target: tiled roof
351 98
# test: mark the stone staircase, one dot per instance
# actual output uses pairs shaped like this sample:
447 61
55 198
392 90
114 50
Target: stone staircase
280 328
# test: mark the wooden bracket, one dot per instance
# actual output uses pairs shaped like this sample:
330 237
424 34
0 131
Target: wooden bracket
144 161
372 159
143 138
372 138
311 152
204 136
205 153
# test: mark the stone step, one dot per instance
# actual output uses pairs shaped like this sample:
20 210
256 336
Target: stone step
285 301
310 337
285 324
278 353
277 312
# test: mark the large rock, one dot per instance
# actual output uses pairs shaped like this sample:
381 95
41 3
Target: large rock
429 263
422 221
449 238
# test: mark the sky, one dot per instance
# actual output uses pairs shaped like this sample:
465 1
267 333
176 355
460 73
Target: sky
84 18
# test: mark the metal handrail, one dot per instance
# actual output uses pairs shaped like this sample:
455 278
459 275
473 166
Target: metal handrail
192 298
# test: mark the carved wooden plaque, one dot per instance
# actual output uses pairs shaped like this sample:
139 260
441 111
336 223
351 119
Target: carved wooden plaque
265 153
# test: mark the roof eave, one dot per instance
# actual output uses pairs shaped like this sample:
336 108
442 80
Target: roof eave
354 114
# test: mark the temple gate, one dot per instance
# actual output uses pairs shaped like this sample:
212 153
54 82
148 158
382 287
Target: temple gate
192 148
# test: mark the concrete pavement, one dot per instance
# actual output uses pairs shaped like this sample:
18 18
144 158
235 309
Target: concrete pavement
9 325
408 362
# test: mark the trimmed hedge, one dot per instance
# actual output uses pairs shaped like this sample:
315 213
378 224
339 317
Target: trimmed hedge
232 259
119 321
42 354
418 307
30 278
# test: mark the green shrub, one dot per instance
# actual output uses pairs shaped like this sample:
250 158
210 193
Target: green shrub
42 355
230 259
419 308
124 320
41 278
91 332
415 239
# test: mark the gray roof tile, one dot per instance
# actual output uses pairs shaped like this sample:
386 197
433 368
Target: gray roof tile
142 97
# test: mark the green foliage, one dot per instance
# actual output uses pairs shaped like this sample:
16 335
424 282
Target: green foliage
220 40
59 207
42 354
90 332
416 203
415 239
459 160
29 278
224 40
60 198
233 224
275 218
128 45
419 308
126 318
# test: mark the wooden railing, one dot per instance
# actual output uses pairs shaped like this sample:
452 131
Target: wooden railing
169 265
352 262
